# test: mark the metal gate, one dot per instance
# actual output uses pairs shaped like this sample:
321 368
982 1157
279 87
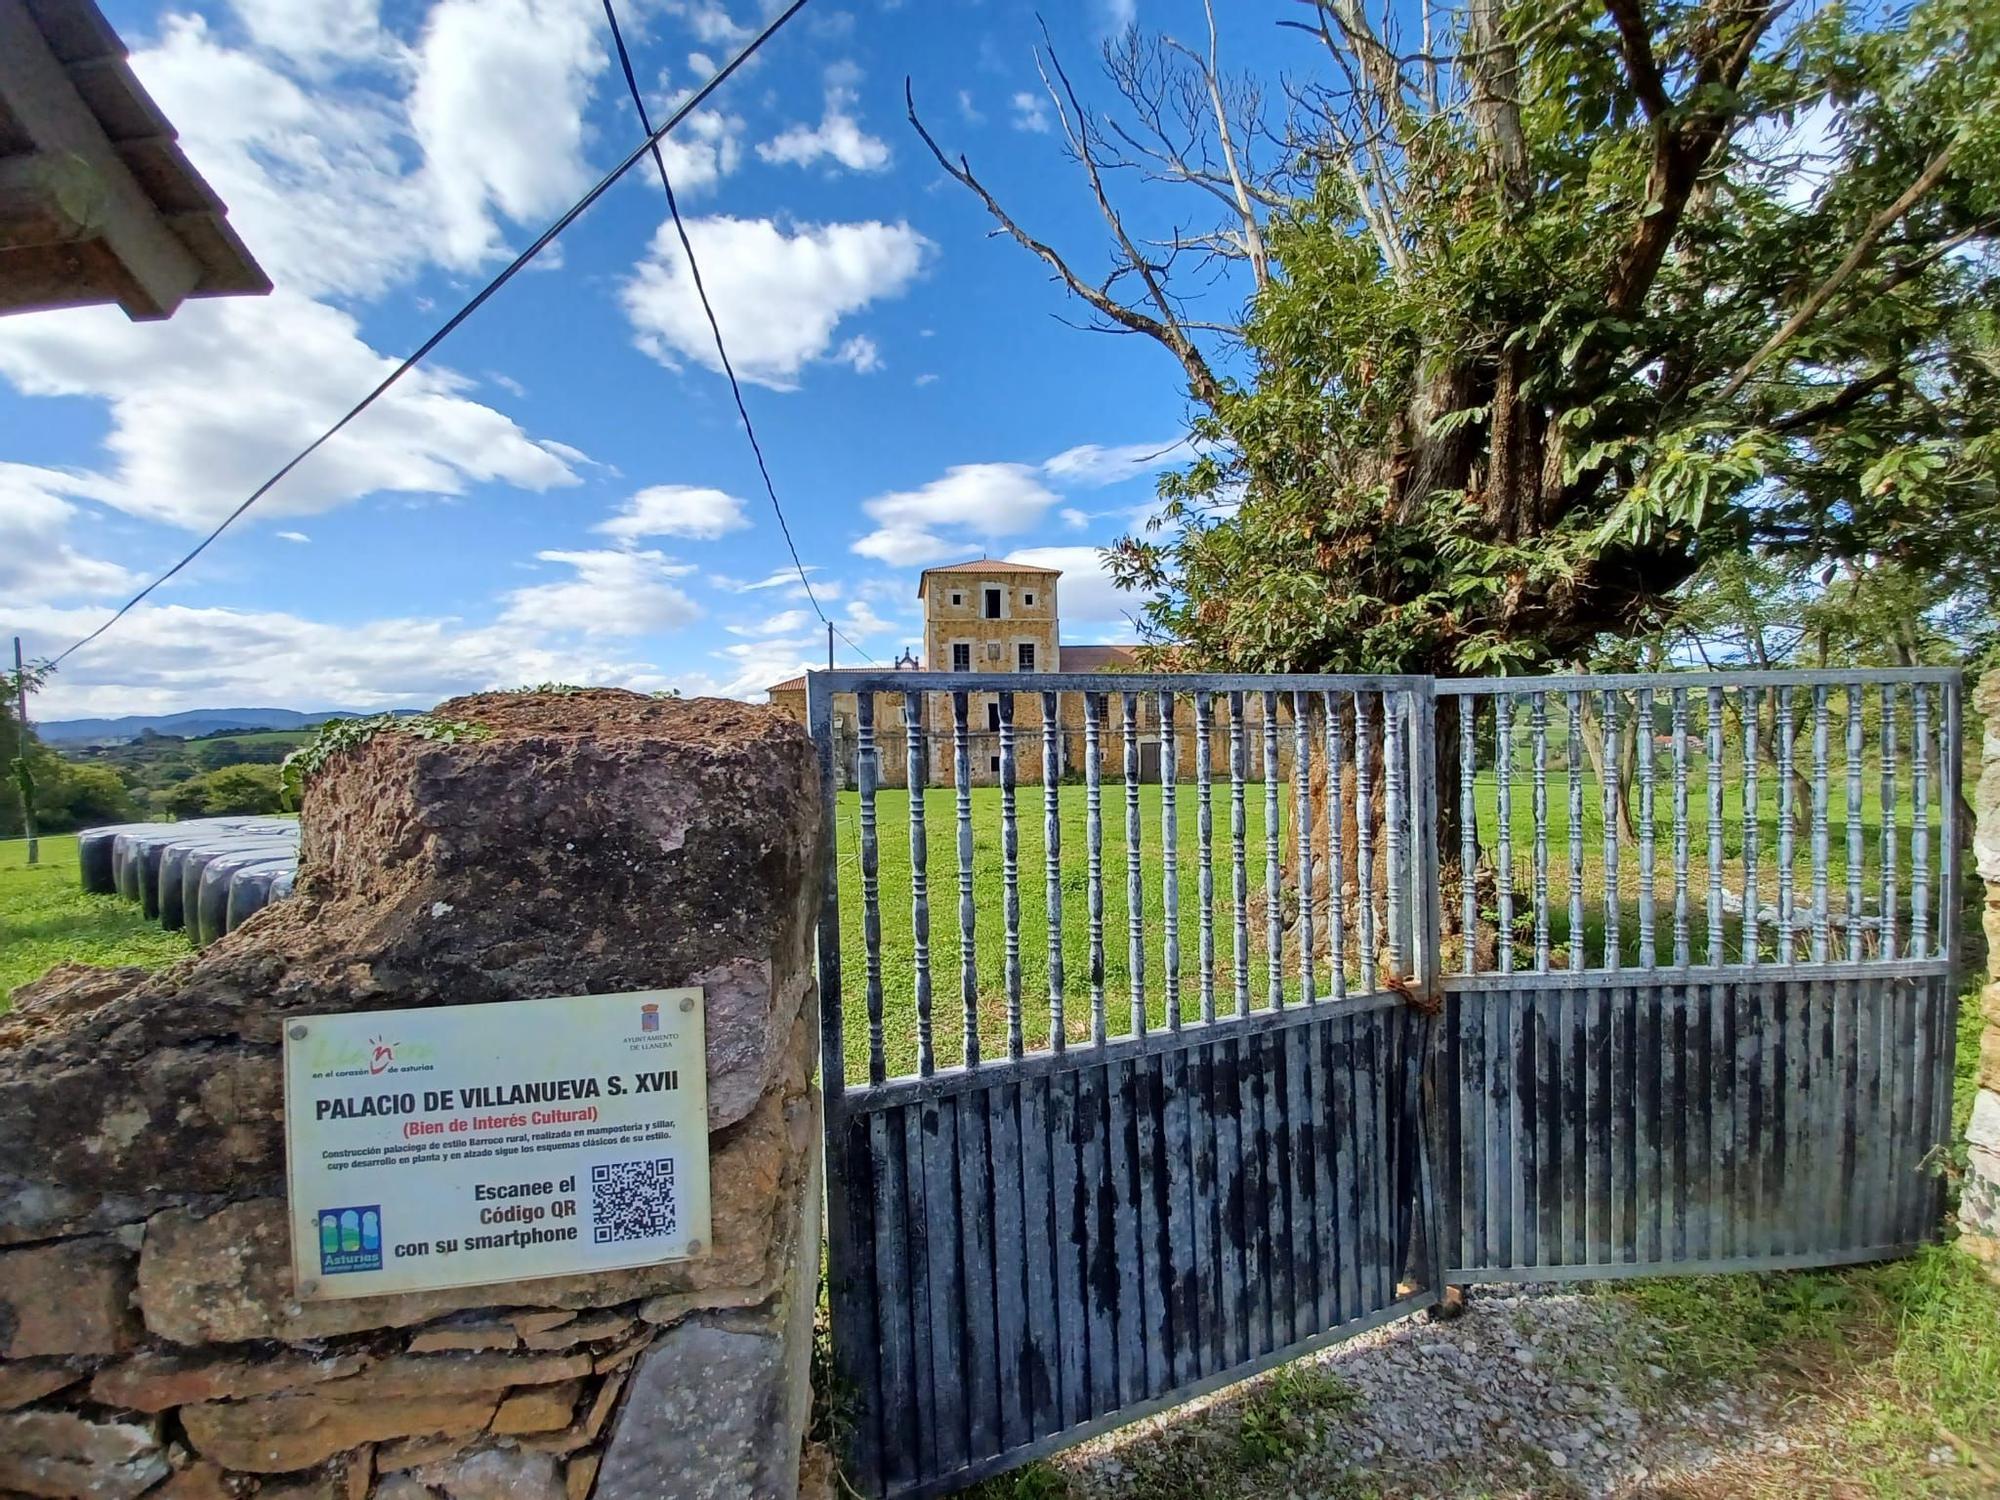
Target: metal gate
1242 1094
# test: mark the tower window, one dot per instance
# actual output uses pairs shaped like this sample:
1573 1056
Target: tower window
958 598
1025 656
961 656
992 610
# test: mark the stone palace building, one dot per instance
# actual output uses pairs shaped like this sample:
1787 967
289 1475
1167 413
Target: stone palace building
993 616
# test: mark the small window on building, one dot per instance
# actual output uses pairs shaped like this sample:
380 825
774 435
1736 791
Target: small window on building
1029 600
993 763
992 610
992 718
958 598
961 656
1025 656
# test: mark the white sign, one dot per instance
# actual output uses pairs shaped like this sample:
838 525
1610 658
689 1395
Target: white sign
467 1144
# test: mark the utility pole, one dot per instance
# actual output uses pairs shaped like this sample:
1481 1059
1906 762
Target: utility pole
829 645
21 772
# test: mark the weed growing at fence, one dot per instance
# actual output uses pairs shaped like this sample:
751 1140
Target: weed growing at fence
47 917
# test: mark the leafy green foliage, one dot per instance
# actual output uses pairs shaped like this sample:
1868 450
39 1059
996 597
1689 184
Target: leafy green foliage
233 789
339 735
1739 295
1286 1415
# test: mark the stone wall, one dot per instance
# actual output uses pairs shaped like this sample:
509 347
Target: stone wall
150 1343
1979 1203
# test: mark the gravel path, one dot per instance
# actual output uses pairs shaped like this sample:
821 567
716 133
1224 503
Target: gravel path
1534 1391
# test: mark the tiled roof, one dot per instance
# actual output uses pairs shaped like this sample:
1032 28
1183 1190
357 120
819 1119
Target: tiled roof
789 685
1098 658
987 565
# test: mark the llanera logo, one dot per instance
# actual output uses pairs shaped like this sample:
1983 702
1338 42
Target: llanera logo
649 1017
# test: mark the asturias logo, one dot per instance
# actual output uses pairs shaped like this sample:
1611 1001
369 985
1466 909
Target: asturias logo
381 1056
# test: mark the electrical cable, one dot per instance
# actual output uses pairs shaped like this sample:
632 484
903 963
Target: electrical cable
450 325
714 327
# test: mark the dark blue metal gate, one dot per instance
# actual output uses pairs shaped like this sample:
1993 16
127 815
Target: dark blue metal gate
1126 1172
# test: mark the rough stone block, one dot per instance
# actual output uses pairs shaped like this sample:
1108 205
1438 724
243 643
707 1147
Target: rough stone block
589 1330
490 1474
153 1380
718 1406
22 1381
65 1453
1988 1075
73 1297
277 1434
545 1408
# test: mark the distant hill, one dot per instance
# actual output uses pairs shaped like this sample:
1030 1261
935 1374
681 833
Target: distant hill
189 724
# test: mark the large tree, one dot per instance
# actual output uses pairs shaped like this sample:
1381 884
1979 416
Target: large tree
1542 304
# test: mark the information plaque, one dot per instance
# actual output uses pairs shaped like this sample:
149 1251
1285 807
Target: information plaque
467 1144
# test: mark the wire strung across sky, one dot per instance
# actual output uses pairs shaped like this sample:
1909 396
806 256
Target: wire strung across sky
542 241
715 328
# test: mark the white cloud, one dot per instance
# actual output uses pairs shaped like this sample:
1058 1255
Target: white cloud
968 110
1031 113
838 135
754 665
314 32
861 353
612 593
37 561
164 658
705 148
1119 14
981 501
927 378
784 622
861 621
204 408
682 510
1084 593
708 21
293 536
498 107
778 294
1096 464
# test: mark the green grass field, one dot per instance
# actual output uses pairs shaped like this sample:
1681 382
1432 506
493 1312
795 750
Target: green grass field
898 951
46 917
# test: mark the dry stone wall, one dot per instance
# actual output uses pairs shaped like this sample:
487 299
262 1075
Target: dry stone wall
1979 1202
150 1340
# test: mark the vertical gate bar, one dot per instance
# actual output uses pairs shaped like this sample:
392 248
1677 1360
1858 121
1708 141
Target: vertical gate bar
1751 715
1135 886
1093 801
1951 756
1239 873
1649 866
968 963
1714 772
915 763
1204 827
1010 1260
1822 898
1326 1132
1503 833
1180 1276
1578 959
979 1310
1070 1233
1336 865
1538 725
1010 876
1364 837
1396 821
1170 857
1150 1216
1274 934
1475 1125
1856 857
1623 1103
865 777
1121 1095
1232 1188
1920 821
1610 788
1648 1060
882 1440
1786 798
917 1220
944 1225
1302 827
1052 862
1892 891
1346 1170
1096 1194
1679 712
1270 1316
832 1019
1426 898
1041 1349
1209 1209
1468 831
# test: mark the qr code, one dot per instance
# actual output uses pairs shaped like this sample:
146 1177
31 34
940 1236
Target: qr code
633 1200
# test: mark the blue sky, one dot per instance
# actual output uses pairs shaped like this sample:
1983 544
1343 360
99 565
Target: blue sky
564 493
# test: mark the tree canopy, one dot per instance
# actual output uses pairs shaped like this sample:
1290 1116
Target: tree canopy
1547 305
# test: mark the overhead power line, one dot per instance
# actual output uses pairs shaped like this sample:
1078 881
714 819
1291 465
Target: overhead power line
714 327
542 241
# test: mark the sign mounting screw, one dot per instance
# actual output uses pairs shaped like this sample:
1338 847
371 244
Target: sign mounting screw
694 1247
298 1033
687 1003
